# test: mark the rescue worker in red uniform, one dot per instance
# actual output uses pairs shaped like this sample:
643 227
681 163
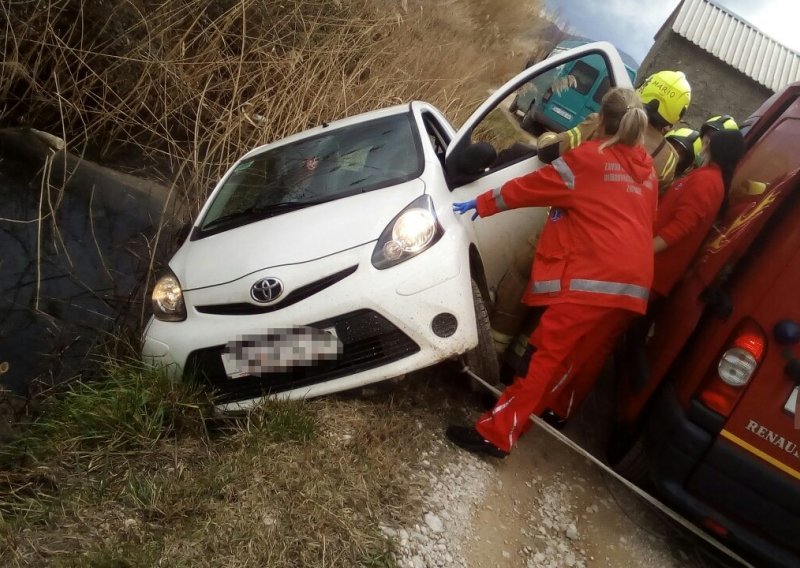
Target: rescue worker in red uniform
688 209
593 267
686 213
666 96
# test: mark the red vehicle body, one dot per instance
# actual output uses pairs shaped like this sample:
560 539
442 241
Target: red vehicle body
728 455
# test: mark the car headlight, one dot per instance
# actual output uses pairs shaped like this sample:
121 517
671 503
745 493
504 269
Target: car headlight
167 299
414 230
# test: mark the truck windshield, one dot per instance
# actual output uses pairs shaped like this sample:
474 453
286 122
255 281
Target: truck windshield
345 161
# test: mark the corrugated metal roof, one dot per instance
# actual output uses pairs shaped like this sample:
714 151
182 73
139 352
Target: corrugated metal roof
738 43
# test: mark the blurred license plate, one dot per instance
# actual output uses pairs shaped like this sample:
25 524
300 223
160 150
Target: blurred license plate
279 351
561 112
791 404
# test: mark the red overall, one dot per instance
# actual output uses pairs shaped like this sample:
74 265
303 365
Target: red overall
593 268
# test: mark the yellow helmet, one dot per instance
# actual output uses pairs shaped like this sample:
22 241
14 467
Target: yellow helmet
688 144
666 94
721 122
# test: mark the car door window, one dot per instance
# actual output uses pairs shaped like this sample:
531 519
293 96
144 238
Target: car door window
500 124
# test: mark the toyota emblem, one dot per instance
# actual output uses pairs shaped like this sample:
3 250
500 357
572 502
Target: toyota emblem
266 290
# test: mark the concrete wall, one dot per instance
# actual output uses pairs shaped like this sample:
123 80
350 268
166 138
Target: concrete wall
717 88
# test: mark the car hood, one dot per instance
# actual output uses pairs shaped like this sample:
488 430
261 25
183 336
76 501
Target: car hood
291 238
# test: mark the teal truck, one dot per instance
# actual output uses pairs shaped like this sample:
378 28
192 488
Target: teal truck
562 97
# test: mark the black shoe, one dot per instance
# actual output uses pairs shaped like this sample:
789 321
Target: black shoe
554 419
468 438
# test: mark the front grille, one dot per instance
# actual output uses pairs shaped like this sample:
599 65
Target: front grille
246 309
368 340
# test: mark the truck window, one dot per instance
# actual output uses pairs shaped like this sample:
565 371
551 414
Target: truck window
585 76
601 90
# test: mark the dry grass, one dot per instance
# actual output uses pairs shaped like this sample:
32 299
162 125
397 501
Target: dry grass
190 85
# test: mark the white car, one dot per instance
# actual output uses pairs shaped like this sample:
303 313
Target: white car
332 259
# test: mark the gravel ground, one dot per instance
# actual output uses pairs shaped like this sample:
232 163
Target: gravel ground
457 483
544 506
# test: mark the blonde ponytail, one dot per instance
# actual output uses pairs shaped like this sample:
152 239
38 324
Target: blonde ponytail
624 119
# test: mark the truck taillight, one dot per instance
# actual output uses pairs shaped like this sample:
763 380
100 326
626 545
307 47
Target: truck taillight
737 365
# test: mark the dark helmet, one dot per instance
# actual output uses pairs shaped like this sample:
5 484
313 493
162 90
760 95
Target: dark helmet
688 142
717 123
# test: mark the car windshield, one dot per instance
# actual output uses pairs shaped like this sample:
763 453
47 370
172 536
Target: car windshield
345 161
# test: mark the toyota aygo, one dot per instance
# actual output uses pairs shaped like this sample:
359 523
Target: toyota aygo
332 259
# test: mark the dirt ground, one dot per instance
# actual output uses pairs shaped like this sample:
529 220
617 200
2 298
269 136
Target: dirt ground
543 487
548 506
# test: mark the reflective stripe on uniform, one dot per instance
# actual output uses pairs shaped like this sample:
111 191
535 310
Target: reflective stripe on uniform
573 140
498 199
577 134
565 172
546 286
564 377
668 166
613 288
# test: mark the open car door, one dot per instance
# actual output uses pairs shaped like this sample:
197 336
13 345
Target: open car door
491 148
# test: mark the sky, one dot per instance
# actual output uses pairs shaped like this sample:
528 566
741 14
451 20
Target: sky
631 24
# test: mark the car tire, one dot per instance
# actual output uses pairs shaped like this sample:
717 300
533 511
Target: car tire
626 455
483 359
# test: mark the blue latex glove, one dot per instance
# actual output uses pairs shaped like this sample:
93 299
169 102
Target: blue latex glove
465 206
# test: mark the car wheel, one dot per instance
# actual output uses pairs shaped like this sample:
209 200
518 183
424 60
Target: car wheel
483 359
626 455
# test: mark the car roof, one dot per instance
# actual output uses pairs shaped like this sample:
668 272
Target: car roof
333 125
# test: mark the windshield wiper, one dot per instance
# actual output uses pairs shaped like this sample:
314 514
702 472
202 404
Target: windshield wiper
257 212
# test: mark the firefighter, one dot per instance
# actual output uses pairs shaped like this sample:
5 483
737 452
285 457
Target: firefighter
665 96
687 145
593 266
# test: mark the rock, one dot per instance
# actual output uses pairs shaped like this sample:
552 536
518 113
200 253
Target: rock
506 555
434 522
418 562
572 532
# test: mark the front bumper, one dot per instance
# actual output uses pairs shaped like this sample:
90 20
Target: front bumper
383 318
710 479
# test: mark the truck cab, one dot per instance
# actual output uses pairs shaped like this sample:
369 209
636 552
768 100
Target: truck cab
716 424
